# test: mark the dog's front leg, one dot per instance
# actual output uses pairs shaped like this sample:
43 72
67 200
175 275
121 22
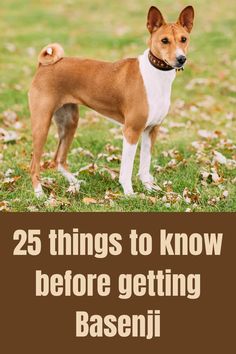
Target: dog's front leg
148 139
130 142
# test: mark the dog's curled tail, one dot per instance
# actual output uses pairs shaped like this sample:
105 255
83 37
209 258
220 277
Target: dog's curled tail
50 54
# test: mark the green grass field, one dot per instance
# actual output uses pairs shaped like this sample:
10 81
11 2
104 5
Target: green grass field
194 161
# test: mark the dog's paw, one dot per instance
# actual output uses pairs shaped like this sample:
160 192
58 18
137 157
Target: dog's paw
74 188
151 187
129 192
38 192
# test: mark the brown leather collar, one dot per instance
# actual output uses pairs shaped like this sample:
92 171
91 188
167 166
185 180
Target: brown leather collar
160 64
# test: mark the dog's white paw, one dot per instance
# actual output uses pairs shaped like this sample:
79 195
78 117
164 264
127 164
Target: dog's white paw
127 188
149 183
74 188
151 187
129 193
38 191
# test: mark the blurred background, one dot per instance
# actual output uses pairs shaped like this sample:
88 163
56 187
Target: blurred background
203 97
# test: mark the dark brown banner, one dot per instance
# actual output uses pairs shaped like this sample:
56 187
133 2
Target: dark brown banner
179 280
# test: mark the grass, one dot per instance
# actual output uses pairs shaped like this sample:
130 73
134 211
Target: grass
113 30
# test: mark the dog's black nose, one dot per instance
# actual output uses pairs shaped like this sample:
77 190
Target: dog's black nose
181 59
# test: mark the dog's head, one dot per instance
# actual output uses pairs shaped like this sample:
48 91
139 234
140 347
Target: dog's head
170 41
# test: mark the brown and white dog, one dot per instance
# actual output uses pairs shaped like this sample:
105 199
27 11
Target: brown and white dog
135 92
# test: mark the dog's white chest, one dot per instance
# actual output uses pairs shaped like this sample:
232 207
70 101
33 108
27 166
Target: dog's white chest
158 89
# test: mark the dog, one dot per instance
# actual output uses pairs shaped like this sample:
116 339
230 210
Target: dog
135 92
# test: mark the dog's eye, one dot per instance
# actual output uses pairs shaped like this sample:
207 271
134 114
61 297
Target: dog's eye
165 40
183 39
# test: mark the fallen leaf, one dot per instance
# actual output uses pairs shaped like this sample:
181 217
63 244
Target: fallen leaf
211 177
88 201
52 202
111 148
206 134
112 172
225 194
113 158
32 208
171 198
176 125
188 210
218 157
109 195
82 152
168 185
10 181
91 168
10 119
4 206
153 200
48 182
75 187
213 201
9 172
191 197
8 136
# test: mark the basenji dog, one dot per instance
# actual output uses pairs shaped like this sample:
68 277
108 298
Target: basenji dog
134 92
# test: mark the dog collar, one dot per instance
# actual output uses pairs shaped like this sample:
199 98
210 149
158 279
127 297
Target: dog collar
159 63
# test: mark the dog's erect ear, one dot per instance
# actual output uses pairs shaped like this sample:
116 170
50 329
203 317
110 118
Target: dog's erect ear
154 19
186 18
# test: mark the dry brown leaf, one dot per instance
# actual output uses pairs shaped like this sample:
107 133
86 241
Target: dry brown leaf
159 168
191 197
73 188
171 198
219 158
82 152
102 155
198 145
32 208
10 181
188 210
112 172
211 177
11 119
206 134
9 172
225 194
4 205
234 180
113 158
176 125
47 165
213 201
52 202
48 182
88 201
91 168
109 195
153 200
168 185
8 136
111 148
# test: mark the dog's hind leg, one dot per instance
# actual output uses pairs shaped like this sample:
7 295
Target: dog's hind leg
40 121
66 119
